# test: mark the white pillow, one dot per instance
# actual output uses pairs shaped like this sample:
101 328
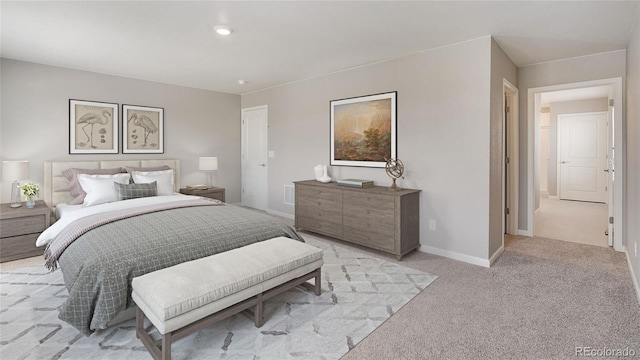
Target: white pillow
100 188
164 179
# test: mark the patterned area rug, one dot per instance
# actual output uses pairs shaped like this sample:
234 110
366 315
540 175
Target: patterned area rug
359 293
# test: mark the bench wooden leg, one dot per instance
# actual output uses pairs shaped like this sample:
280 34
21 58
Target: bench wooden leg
166 346
149 343
318 283
259 314
139 321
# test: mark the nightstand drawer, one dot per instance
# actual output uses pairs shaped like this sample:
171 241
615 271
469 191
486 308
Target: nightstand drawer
19 247
23 225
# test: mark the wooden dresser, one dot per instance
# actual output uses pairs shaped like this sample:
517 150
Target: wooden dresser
373 217
19 229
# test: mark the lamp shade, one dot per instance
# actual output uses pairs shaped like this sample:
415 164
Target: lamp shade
208 163
15 170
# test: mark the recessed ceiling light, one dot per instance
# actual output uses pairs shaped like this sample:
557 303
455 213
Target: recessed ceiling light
241 82
223 30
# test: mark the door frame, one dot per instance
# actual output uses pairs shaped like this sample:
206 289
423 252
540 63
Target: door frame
512 142
558 147
242 148
533 151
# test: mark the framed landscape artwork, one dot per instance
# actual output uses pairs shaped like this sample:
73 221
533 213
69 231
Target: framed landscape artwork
93 127
363 130
142 130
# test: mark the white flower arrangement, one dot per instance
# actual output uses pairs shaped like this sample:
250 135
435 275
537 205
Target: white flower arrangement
30 190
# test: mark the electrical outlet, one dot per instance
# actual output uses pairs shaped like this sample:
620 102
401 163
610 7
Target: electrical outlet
432 224
272 154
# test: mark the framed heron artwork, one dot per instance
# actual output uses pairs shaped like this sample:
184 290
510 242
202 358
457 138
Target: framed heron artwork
363 130
142 130
93 127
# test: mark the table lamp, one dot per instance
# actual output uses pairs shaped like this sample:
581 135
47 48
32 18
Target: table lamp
12 171
208 164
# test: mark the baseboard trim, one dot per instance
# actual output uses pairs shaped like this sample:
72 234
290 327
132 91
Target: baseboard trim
455 256
525 233
496 254
281 214
636 285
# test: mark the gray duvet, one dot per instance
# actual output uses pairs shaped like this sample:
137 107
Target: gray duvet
98 266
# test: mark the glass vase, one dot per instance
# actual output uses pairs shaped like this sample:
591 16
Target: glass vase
31 202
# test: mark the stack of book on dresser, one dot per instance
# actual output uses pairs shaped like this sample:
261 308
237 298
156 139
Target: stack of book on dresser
356 183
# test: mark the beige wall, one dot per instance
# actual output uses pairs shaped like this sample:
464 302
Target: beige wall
566 107
501 68
35 120
632 232
443 137
599 66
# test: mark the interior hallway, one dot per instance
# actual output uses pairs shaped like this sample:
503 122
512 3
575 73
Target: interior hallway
575 221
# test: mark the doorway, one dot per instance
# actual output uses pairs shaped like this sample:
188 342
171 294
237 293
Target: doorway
551 214
254 157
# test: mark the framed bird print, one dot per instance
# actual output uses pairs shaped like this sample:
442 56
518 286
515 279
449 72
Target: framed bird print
142 130
93 127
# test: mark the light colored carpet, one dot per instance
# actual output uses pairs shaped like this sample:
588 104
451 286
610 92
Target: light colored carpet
575 221
359 293
540 300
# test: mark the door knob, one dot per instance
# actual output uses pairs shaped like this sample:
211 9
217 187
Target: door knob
564 162
263 164
606 170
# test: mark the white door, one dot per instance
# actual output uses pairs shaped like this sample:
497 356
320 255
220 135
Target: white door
254 157
582 156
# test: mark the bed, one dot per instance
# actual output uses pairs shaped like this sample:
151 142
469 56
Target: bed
128 238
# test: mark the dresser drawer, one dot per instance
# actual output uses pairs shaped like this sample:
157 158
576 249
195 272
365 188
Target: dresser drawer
22 225
317 193
375 220
369 201
320 225
329 205
19 247
372 239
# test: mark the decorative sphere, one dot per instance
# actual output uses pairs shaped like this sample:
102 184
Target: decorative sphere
394 168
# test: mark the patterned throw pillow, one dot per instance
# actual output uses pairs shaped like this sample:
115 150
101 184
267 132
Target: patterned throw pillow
134 191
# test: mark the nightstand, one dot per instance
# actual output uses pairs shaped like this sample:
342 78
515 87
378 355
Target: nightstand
19 229
212 192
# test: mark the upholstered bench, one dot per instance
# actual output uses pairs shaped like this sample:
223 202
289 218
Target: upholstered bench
190 296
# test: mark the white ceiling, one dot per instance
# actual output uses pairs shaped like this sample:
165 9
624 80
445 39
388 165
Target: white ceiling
279 42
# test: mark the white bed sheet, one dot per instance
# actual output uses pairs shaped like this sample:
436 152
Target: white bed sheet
64 208
71 214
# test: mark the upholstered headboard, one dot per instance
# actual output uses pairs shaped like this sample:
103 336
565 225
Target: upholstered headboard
56 186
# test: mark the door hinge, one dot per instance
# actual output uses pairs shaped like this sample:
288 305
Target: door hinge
506 160
507 211
243 190
242 121
611 220
610 102
507 109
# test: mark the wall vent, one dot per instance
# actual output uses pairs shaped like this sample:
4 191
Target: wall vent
289 195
